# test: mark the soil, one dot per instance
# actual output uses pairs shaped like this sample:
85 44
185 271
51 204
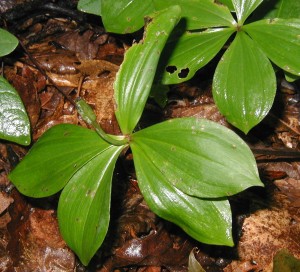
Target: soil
67 53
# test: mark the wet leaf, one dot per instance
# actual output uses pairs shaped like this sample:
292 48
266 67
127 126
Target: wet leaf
55 157
194 155
141 61
199 14
124 16
8 42
273 35
90 6
244 83
14 122
244 8
84 205
191 52
208 221
194 265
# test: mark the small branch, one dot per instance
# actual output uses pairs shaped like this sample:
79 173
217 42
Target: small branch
42 71
89 116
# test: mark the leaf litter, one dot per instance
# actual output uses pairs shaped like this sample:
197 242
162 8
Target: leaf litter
266 220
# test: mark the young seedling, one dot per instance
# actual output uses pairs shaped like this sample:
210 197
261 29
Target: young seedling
14 122
186 168
244 83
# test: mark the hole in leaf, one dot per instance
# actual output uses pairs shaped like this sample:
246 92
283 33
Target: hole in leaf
171 69
184 72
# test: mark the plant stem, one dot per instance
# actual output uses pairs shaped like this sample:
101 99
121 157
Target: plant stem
89 116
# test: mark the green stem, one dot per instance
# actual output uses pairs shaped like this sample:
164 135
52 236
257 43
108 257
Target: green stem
89 116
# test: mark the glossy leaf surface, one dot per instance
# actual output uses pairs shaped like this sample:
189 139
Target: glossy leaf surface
207 221
280 41
134 79
8 42
125 16
54 158
199 14
84 205
244 8
244 83
14 122
287 9
191 52
90 6
195 156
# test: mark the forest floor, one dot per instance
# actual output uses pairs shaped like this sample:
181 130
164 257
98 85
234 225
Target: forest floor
67 49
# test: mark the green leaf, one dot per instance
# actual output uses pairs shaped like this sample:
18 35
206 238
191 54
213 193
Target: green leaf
280 41
8 42
244 83
125 16
159 94
285 9
134 79
290 77
194 155
288 9
84 205
199 14
14 122
208 221
191 52
228 3
59 153
90 6
244 8
285 262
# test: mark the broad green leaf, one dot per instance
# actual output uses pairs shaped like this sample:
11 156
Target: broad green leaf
194 265
14 122
208 221
8 42
199 14
199 157
191 52
228 3
244 8
134 79
280 41
84 204
244 83
125 16
54 158
286 9
90 6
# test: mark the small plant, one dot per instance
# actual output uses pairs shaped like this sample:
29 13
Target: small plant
244 83
186 168
14 122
